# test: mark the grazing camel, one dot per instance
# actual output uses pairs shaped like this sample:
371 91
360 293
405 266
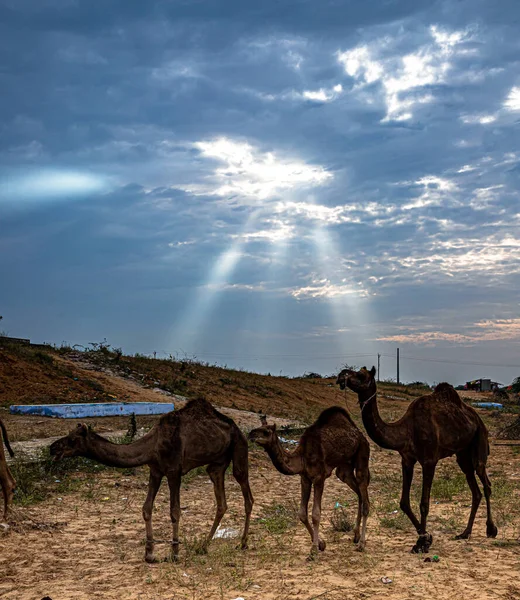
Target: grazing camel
191 437
332 442
6 479
434 427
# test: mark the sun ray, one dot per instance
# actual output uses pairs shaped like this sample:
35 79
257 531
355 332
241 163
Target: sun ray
190 324
347 299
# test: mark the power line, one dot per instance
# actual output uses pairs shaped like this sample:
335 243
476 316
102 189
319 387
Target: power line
257 356
456 362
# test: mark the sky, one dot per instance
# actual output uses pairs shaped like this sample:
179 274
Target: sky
278 187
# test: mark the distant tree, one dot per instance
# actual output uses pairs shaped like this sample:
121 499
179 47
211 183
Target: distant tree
515 387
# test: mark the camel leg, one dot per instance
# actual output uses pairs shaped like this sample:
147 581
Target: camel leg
425 539
362 480
346 474
466 464
241 474
154 483
217 476
174 482
491 528
306 486
404 504
316 516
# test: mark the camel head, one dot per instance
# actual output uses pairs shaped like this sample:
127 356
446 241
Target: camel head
265 435
357 381
74 444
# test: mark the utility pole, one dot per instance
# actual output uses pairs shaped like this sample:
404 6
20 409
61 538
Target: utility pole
397 365
378 362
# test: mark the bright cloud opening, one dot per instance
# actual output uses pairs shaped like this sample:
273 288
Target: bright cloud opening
250 172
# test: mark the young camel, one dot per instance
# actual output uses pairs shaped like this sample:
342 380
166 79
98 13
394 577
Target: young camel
434 427
332 442
193 436
6 479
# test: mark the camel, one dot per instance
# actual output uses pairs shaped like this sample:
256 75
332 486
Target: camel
6 478
193 436
332 442
434 427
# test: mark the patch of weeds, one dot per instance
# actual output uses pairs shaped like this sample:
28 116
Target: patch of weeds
398 521
505 543
43 358
501 486
447 485
450 524
340 520
175 385
278 518
37 479
95 385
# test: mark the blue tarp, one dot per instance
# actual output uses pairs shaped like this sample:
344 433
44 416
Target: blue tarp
487 405
95 409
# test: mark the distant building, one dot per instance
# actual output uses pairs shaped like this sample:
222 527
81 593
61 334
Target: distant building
482 385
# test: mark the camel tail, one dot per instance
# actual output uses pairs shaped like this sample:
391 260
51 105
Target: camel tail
6 438
480 447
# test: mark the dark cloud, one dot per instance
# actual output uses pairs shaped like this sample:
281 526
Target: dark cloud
366 173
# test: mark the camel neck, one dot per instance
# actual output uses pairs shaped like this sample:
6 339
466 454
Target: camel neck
121 455
288 463
387 435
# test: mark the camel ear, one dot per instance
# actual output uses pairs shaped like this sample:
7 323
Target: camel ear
373 371
82 429
263 420
273 426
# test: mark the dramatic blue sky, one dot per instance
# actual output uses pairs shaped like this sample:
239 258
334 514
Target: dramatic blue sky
278 186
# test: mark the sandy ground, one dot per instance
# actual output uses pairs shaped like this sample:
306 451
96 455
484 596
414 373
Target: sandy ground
90 543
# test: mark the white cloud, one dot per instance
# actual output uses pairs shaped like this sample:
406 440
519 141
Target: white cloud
252 173
280 231
481 119
322 95
402 77
437 191
481 331
513 100
324 288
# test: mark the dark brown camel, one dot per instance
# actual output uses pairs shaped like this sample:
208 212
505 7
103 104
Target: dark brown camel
332 442
434 427
191 437
6 479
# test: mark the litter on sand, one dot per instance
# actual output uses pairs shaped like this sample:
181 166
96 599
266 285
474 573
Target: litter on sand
226 533
386 580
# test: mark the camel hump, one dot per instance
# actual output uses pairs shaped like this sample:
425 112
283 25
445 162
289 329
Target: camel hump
200 407
448 391
331 413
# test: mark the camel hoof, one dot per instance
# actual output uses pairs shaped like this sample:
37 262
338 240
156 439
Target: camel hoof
322 545
242 546
422 546
360 548
357 537
201 550
492 530
150 559
313 554
463 536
